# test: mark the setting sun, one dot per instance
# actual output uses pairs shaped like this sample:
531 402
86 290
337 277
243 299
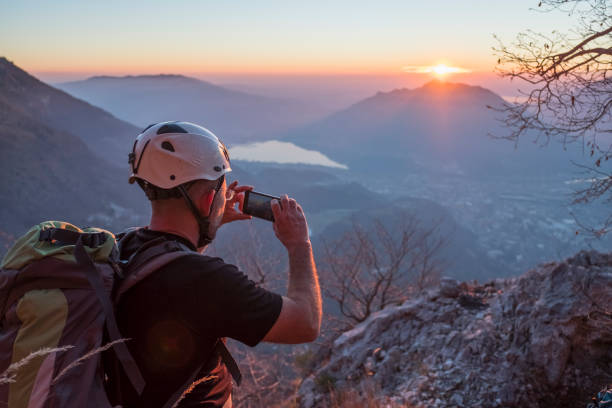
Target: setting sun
439 70
442 69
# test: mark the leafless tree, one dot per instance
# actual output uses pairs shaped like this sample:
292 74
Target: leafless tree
568 94
368 269
269 378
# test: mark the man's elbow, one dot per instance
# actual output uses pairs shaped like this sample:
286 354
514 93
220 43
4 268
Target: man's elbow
312 334
308 332
297 323
315 326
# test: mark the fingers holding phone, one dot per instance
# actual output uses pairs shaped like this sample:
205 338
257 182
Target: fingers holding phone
290 224
288 216
234 195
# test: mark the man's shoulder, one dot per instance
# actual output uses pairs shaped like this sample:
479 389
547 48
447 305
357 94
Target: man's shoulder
195 259
201 267
192 274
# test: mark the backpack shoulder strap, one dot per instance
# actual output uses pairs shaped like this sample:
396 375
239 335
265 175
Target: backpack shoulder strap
229 361
145 270
150 258
121 350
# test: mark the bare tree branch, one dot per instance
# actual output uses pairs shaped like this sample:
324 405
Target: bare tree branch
569 86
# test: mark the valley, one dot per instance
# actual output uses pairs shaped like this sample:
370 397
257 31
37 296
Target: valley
505 209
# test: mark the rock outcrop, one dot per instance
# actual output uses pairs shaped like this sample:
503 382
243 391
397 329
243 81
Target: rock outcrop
543 339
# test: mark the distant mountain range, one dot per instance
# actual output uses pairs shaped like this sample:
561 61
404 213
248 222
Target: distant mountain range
439 126
234 116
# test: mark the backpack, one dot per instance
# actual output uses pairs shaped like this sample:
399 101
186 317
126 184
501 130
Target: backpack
59 286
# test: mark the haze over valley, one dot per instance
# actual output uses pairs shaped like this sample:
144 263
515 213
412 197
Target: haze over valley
426 150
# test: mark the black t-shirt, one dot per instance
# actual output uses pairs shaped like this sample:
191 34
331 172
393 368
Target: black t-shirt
175 316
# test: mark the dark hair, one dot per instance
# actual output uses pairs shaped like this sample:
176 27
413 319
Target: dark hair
157 193
154 192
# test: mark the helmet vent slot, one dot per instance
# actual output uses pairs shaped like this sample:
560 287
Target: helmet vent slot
170 128
167 146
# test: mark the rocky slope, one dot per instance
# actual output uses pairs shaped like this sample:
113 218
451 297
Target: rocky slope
107 137
543 339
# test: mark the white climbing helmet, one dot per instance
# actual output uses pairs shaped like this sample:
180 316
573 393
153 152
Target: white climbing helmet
168 154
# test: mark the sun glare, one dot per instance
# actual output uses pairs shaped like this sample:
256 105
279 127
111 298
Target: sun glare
441 70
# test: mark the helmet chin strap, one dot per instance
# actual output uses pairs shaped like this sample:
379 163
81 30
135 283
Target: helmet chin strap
204 237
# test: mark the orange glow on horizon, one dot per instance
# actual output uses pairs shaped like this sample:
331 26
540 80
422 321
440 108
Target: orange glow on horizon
120 65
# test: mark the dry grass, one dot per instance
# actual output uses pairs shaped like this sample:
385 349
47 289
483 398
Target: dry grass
10 374
191 388
363 398
269 379
356 399
365 395
87 356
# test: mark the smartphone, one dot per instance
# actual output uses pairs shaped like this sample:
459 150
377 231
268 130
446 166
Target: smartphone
258 205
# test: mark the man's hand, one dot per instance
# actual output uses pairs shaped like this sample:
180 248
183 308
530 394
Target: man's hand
290 224
235 195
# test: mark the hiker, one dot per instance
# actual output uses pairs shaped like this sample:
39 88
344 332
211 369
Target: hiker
177 317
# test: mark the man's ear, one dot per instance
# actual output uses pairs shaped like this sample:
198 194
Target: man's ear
205 202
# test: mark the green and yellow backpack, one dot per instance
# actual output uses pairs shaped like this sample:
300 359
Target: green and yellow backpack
59 285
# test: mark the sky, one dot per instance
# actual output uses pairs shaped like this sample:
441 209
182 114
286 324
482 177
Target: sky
235 41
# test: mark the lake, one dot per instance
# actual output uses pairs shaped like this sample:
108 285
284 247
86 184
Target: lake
281 152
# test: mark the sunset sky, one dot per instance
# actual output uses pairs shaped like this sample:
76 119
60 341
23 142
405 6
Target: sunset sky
67 40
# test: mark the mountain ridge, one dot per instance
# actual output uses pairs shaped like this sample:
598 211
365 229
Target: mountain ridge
161 79
160 76
235 116
107 137
432 88
440 124
436 85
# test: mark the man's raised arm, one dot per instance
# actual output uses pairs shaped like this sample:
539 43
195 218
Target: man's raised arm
300 317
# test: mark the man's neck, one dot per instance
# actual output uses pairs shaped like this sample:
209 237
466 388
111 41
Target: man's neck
188 232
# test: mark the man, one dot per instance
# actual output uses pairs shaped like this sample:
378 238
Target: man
176 316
